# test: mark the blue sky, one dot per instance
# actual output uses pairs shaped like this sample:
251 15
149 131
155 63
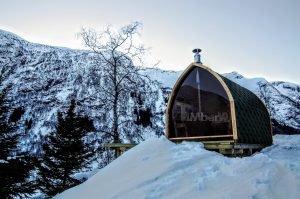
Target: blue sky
257 38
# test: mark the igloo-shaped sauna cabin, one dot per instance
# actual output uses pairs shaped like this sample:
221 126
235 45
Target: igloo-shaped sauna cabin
207 107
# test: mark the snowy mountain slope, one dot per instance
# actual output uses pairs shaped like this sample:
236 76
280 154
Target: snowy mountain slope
166 79
158 168
45 78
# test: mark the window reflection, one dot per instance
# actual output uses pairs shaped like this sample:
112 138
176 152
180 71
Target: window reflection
201 107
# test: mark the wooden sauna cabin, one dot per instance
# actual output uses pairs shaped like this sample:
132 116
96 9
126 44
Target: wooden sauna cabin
207 107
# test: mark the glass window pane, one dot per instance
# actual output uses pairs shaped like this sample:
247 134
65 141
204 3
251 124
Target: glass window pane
201 107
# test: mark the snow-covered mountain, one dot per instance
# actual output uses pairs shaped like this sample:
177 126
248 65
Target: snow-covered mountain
46 78
158 168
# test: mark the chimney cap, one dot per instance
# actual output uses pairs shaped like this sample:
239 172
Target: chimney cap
197 56
197 50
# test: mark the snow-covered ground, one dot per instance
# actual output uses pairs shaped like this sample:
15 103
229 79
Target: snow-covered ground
158 168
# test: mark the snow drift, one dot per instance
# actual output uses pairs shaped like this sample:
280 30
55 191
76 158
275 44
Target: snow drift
158 168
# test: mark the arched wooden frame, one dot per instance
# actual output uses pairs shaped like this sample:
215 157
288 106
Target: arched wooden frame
176 88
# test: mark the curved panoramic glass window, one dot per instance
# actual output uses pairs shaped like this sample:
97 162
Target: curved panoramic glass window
201 107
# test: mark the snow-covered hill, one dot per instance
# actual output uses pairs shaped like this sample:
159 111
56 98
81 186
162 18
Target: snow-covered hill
46 78
158 168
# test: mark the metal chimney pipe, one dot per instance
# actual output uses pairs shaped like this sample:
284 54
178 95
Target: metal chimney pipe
197 56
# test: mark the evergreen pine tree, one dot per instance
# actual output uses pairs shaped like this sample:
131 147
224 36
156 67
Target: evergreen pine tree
15 167
65 153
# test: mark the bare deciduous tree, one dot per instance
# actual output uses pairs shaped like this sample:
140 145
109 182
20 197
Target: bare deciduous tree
120 59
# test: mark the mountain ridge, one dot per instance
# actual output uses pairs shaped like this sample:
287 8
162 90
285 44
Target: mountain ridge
45 78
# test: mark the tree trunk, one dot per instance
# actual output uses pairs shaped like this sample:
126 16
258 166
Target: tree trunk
115 121
64 184
115 106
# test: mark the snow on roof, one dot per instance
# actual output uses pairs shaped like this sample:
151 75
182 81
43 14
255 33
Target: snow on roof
158 168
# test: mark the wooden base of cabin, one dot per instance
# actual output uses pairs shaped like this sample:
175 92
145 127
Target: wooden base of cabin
229 148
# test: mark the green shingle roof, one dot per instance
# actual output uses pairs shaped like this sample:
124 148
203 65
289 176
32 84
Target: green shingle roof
252 118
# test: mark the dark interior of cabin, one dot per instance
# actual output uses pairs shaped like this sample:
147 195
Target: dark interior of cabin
200 107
